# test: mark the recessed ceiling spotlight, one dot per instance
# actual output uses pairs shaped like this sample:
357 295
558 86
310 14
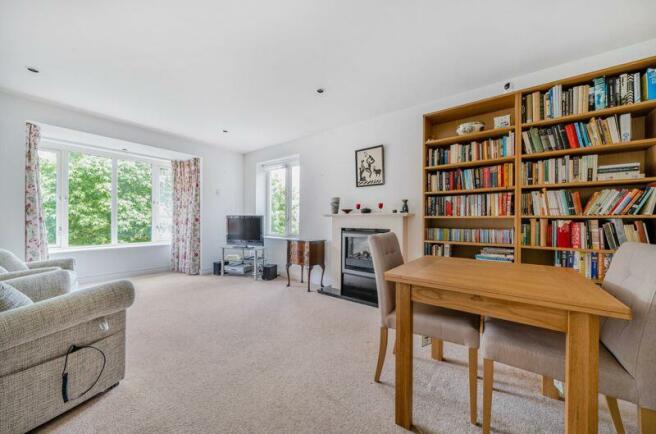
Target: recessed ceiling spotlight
321 90
225 131
124 149
32 69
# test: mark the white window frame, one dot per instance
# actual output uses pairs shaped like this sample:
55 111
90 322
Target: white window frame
62 149
288 164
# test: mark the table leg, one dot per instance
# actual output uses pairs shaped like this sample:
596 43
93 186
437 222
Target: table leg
403 355
309 275
582 373
222 260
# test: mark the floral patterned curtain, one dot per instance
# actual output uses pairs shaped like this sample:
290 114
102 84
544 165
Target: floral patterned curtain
185 239
36 237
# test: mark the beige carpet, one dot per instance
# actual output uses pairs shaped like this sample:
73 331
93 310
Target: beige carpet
210 354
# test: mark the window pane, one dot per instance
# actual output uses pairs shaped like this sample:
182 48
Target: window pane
89 199
277 204
134 199
48 173
296 199
165 211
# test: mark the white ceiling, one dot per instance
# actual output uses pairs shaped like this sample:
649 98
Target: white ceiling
196 67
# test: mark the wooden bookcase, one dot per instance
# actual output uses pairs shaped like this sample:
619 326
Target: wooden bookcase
440 131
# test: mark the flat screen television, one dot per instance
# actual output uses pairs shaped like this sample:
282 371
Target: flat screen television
245 230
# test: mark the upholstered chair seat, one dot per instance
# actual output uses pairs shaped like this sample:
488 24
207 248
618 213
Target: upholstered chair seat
437 323
444 324
543 352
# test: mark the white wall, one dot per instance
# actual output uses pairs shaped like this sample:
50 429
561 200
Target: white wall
327 158
221 185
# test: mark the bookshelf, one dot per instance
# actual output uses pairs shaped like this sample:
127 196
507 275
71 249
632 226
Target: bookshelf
440 133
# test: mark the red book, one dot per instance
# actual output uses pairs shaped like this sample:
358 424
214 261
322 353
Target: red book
571 136
575 228
447 208
564 234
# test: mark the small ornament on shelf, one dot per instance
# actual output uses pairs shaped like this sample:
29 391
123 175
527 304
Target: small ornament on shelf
404 207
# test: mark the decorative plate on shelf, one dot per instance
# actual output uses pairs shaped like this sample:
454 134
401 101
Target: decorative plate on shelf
469 127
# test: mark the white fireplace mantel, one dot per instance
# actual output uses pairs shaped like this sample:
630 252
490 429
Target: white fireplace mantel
395 222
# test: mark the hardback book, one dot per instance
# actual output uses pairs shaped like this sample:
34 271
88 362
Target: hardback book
637 85
625 127
600 93
649 84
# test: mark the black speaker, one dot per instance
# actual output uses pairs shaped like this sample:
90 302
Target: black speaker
217 268
269 272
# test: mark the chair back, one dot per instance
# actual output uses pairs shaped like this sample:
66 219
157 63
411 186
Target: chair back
11 262
386 254
631 278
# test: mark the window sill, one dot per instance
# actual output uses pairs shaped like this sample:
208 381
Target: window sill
280 237
57 250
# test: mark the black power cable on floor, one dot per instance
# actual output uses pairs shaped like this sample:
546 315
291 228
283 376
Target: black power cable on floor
72 349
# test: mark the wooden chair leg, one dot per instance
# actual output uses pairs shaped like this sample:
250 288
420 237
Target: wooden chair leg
548 388
437 349
473 385
488 382
615 414
382 349
646 420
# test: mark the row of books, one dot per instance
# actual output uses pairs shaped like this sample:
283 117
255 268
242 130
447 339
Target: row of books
583 235
497 236
491 204
437 249
495 254
637 201
591 265
577 169
501 175
473 151
596 132
557 170
603 92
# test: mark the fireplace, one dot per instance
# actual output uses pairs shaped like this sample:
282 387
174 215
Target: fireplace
358 280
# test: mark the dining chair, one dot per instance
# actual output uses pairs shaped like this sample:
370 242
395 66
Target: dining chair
437 323
627 349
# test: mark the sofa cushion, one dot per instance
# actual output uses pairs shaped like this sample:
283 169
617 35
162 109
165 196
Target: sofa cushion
11 262
11 298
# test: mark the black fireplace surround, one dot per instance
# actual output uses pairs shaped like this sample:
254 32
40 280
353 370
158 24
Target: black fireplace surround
358 277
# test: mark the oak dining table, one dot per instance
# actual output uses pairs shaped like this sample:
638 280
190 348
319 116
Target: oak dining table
549 297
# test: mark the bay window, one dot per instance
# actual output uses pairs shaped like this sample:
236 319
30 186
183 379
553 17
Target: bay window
100 198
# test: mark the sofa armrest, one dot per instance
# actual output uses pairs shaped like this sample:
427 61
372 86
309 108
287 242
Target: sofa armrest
15 274
64 263
39 287
27 323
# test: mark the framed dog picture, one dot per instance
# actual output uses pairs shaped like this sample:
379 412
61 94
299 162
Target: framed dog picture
370 166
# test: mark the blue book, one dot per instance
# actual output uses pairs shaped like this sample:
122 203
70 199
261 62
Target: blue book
649 84
594 268
600 98
578 135
584 130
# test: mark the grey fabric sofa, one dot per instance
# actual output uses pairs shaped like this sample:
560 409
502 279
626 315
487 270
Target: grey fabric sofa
11 266
35 340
